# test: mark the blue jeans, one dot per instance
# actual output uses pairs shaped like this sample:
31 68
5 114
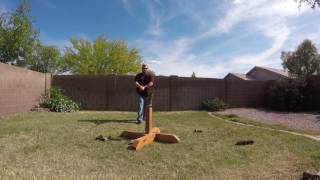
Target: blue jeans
141 108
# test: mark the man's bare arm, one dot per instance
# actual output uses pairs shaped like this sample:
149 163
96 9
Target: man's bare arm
139 86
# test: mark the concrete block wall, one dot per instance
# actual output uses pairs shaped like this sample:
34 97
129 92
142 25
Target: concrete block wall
20 89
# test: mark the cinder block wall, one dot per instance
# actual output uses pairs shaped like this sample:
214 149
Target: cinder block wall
171 93
20 89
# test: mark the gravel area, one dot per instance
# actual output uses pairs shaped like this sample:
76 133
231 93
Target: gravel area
301 120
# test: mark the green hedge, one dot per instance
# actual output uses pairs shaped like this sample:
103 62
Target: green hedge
287 95
213 104
56 101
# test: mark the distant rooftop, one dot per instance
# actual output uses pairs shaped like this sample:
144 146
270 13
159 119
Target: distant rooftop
242 76
261 73
278 71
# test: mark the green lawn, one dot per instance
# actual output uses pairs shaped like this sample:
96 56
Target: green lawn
62 146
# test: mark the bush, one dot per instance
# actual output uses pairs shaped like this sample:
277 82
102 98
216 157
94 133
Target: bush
287 95
213 104
58 102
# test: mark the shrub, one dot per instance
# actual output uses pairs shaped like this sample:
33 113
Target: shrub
58 102
287 95
213 104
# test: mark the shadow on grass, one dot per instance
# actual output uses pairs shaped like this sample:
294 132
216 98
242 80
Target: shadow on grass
103 121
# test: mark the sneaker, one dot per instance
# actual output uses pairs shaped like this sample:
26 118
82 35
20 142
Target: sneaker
138 122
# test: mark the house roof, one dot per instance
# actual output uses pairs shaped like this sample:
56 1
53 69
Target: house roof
251 75
241 76
272 70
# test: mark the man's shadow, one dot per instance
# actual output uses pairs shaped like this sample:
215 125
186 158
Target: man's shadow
103 121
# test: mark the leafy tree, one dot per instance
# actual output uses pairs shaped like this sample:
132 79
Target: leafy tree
17 36
44 58
303 62
312 3
193 75
101 57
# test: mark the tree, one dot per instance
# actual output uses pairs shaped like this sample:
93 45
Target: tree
312 3
17 36
101 57
193 75
44 58
303 62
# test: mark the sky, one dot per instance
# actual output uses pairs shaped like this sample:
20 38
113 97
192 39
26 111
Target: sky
178 37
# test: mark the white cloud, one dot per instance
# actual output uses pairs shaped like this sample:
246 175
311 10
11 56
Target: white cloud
269 18
306 30
173 59
279 36
154 28
185 69
3 8
272 22
153 20
177 60
237 2
128 8
254 10
159 14
60 43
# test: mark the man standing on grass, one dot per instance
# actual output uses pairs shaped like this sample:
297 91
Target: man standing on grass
144 82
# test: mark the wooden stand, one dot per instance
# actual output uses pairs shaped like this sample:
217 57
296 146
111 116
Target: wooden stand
151 134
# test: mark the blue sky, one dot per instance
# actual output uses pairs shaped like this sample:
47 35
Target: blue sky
178 37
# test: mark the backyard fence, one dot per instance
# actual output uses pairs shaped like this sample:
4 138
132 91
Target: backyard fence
171 93
313 96
20 89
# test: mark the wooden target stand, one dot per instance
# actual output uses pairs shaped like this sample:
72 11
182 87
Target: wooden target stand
151 134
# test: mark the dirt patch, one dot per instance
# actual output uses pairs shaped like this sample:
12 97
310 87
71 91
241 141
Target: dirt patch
40 109
301 120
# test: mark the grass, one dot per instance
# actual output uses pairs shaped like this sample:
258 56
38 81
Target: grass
62 146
